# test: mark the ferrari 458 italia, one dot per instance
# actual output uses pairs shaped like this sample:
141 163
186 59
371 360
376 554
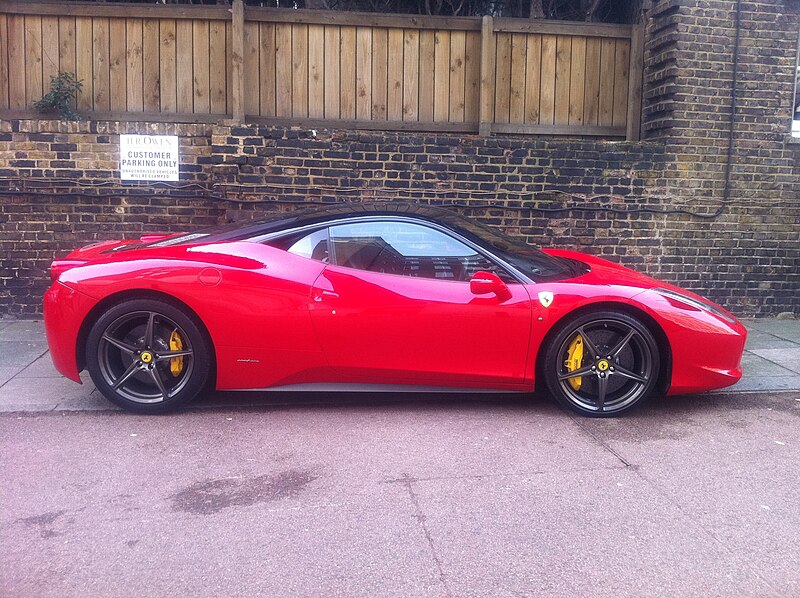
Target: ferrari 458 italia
377 296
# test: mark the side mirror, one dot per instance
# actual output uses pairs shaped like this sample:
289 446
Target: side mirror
483 283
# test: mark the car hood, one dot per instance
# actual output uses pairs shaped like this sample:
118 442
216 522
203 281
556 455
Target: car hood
603 272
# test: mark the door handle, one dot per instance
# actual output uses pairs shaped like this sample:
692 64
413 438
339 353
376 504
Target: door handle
321 295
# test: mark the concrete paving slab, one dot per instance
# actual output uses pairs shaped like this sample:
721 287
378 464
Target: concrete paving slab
757 339
86 398
762 384
7 373
786 329
94 401
26 394
755 365
786 358
21 353
23 330
41 368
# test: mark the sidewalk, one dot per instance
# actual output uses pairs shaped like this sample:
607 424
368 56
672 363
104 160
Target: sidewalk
29 382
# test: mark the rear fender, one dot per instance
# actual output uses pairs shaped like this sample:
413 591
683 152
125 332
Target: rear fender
249 304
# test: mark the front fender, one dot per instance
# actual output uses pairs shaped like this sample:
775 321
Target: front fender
706 349
568 298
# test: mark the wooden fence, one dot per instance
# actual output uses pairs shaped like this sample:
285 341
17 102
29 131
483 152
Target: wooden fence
320 68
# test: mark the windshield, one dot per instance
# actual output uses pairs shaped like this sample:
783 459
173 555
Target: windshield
528 259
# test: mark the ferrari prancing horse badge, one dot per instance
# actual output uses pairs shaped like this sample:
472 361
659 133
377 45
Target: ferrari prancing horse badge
545 298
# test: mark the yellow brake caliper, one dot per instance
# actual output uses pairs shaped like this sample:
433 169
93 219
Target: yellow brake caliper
574 359
175 344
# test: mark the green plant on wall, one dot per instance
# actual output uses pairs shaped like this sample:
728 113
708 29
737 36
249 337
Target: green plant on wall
64 89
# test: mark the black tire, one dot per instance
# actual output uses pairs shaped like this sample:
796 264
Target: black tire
130 359
612 379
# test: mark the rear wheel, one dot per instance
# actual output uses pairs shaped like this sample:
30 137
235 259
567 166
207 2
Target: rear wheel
148 356
602 364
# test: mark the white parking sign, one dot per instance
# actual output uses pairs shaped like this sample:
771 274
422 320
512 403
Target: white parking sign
148 157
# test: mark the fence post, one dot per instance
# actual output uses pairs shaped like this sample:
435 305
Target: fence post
635 82
237 62
488 50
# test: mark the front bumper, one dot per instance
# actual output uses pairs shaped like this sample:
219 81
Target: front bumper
706 347
706 353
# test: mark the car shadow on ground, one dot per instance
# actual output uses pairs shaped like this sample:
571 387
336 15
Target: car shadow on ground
411 401
678 407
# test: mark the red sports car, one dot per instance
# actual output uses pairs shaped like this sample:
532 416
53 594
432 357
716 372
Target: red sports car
377 296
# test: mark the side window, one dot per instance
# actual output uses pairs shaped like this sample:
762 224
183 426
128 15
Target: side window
407 249
311 245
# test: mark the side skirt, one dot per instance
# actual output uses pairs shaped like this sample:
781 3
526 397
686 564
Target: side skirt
345 387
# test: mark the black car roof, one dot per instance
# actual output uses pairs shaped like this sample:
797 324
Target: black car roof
280 221
318 215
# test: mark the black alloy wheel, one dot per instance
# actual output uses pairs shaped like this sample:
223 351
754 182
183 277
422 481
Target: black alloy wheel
147 356
602 364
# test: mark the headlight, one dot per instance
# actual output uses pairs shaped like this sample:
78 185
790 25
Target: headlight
696 303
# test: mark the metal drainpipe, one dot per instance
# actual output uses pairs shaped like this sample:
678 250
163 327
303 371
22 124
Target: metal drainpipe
726 190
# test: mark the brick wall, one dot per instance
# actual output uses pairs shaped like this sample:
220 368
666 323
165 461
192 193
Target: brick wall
688 102
660 205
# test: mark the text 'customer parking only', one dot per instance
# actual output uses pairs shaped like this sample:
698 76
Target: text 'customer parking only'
148 158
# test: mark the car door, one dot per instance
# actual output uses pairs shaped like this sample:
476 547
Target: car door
394 305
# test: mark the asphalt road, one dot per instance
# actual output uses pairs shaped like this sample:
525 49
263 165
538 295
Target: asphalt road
476 496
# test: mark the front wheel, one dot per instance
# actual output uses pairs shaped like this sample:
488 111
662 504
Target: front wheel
147 356
601 364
